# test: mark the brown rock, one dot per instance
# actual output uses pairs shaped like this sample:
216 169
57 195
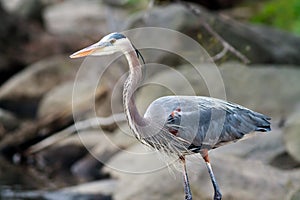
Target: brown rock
23 91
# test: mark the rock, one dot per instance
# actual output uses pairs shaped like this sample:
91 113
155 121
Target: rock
262 147
96 88
8 122
292 135
23 91
284 161
62 105
60 99
88 139
28 41
136 181
56 162
170 82
139 182
10 6
88 168
30 10
80 144
112 143
123 137
234 174
10 49
266 40
164 17
267 148
101 146
269 89
138 159
63 17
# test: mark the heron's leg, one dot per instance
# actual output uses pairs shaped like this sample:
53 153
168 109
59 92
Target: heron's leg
187 189
217 195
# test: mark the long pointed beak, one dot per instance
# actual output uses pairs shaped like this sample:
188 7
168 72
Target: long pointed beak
86 51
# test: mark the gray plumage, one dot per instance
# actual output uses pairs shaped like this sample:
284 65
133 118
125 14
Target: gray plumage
226 122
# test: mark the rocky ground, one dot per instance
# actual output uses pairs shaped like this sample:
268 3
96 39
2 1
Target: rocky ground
37 101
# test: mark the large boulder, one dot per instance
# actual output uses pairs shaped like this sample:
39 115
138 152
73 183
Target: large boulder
64 18
272 90
100 144
22 92
29 10
65 99
108 144
263 48
96 91
59 99
142 176
72 149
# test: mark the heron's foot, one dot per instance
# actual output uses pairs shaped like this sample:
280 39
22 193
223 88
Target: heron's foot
218 196
188 197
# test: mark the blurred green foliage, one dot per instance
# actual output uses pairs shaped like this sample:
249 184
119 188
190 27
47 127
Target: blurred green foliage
281 14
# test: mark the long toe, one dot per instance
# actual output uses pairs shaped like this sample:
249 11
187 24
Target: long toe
217 196
188 197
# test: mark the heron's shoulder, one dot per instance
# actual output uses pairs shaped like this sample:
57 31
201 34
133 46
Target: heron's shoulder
181 99
190 104
192 100
168 104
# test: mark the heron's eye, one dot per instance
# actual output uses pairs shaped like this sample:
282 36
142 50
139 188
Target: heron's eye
112 41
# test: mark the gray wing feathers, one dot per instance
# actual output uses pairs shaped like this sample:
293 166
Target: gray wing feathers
237 121
206 122
241 121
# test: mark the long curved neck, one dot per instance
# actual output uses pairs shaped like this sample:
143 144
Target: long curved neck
131 84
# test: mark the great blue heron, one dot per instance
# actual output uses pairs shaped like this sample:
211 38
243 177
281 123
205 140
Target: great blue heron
179 125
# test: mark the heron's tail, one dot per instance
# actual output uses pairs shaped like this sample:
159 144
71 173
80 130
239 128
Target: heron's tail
242 122
262 122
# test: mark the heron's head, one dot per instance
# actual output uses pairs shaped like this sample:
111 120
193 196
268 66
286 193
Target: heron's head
109 44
